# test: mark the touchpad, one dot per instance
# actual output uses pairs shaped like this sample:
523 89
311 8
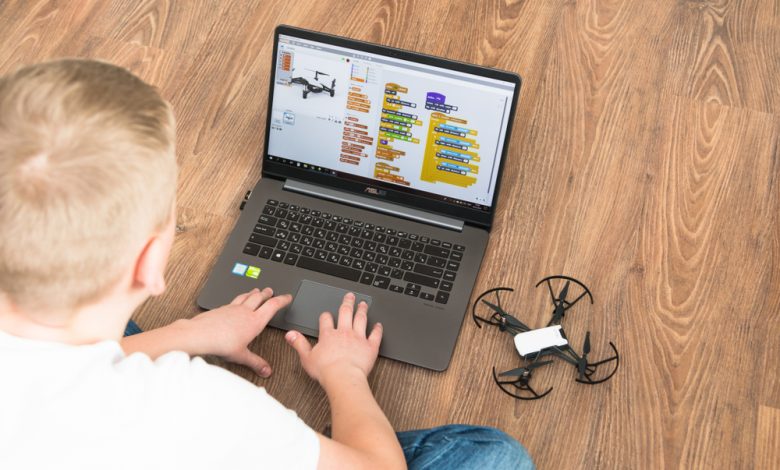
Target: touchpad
314 298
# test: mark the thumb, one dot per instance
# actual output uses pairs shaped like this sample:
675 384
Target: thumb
253 361
299 343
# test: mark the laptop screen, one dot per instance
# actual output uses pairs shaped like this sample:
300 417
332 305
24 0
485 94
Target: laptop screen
435 132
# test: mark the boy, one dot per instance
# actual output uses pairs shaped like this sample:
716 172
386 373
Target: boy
87 215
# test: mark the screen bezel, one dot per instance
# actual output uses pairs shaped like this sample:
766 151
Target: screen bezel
378 189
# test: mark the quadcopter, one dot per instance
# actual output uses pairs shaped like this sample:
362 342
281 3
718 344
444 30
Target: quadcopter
315 87
533 345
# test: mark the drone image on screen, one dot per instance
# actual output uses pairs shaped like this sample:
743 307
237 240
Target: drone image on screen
535 344
315 86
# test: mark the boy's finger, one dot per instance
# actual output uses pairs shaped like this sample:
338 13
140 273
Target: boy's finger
266 294
254 362
270 307
361 319
241 297
326 321
299 343
375 338
254 300
346 310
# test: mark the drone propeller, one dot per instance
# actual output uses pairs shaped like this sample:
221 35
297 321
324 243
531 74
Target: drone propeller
500 318
521 384
561 302
582 363
524 371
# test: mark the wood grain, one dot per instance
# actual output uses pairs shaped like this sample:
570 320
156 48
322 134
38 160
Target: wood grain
644 160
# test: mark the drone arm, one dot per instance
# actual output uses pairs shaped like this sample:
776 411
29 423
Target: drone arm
563 355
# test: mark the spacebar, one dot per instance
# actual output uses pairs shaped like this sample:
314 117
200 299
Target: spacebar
327 268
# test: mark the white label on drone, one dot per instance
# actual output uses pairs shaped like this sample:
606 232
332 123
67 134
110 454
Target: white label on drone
531 342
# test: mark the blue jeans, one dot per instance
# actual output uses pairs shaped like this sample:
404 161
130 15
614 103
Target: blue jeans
452 447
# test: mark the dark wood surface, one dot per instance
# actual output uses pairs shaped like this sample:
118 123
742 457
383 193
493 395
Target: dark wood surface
644 161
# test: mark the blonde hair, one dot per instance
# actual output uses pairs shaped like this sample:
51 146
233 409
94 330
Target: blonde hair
87 173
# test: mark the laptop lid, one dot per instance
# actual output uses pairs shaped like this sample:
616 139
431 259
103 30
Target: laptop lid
399 126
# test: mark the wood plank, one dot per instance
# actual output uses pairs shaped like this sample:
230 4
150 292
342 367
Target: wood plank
767 438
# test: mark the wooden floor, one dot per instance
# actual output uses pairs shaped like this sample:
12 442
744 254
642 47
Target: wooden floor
644 161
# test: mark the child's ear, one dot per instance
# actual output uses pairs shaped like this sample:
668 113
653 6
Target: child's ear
150 265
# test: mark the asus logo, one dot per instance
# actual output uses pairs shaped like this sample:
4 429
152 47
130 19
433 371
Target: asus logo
375 191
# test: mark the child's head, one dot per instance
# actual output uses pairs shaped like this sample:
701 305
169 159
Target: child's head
87 175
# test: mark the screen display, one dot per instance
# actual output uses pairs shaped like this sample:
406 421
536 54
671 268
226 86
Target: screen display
432 131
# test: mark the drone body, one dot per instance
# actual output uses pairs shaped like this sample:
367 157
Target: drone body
316 86
533 344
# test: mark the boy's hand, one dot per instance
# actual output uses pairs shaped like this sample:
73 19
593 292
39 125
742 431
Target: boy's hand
226 331
343 349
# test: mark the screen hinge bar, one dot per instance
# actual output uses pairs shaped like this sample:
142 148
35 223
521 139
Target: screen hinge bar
373 204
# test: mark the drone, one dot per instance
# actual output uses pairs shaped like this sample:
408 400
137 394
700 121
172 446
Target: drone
315 87
533 345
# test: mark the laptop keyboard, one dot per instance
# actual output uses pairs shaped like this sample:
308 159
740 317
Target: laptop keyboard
405 263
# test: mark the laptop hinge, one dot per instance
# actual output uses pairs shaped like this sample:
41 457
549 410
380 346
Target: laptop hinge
373 204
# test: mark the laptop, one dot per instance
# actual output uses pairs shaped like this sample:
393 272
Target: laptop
380 176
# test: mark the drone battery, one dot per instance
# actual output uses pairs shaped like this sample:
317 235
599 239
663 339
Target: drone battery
534 341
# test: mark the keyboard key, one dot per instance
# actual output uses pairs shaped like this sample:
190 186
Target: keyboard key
367 234
321 255
354 231
405 243
417 246
456 256
369 256
392 241
336 218
346 261
264 230
266 252
382 259
267 220
331 246
381 282
357 242
293 216
295 227
277 256
329 225
414 237
382 249
446 286
306 240
384 270
283 245
327 268
428 270
420 258
343 250
272 202
436 251
290 258
366 278
420 279
345 239
435 242
396 252
347 221
459 248
412 289
293 207
401 234
369 245
446 245
442 297
397 274
317 222
296 249
356 253
394 263
396 288
408 255
453 265
390 231
380 237
251 249
358 264
341 228
332 236
315 213
281 213
281 234
295 237
372 267
262 240
333 258
309 251
407 265
269 210
426 296
283 205
307 230
425 239
283 224
436 262
449 276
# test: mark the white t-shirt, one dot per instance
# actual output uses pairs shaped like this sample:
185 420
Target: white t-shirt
90 407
